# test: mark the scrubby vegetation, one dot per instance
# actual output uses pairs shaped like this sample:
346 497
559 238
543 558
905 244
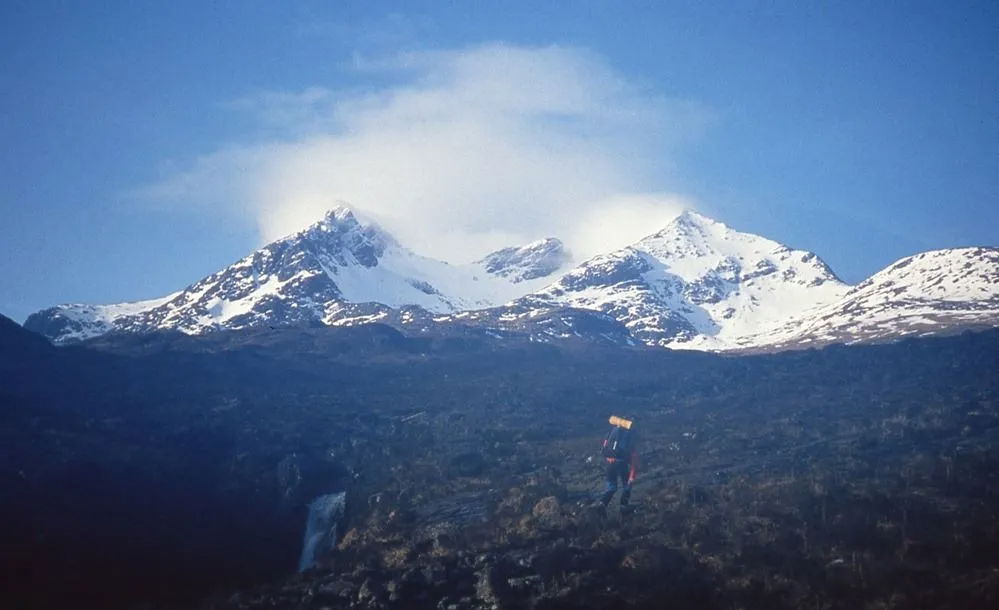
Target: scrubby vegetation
859 477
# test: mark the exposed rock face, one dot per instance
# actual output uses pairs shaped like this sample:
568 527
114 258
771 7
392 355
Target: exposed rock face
535 260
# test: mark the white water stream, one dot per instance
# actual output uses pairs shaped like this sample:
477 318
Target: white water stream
325 513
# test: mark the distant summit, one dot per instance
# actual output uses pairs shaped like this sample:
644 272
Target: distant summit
341 234
312 277
697 284
694 284
932 293
537 259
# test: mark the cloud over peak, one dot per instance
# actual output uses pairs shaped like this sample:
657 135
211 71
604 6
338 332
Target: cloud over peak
457 152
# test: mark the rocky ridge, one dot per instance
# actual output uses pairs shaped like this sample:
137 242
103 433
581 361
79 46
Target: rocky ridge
695 284
930 293
341 270
538 259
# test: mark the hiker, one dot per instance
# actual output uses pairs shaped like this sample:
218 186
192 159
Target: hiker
622 459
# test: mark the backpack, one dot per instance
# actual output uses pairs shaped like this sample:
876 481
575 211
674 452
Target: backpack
618 443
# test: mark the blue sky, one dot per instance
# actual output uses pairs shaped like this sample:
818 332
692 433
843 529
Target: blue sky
149 144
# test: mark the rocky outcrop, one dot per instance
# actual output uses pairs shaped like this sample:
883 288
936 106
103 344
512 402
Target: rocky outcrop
535 260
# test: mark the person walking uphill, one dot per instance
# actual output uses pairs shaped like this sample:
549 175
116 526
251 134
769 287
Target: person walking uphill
622 459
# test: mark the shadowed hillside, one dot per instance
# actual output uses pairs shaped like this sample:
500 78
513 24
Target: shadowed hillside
165 467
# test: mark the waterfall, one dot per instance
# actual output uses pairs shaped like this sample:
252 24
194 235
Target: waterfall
325 513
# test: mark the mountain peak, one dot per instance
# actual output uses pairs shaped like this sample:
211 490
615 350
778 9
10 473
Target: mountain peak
339 212
698 283
340 215
537 259
692 234
343 226
545 244
949 274
690 217
690 223
688 227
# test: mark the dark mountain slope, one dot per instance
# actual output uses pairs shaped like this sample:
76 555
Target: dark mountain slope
180 465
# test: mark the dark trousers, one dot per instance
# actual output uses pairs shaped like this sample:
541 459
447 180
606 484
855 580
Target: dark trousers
618 469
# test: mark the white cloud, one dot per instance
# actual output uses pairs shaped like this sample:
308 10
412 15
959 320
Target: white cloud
466 152
629 217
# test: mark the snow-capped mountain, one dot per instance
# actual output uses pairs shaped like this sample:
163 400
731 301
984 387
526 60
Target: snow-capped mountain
536 260
78 321
696 284
317 276
936 292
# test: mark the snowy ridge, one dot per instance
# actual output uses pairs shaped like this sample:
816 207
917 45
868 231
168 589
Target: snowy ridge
536 260
307 278
931 293
695 284
78 321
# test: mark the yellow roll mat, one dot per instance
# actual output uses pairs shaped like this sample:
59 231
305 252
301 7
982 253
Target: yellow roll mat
620 421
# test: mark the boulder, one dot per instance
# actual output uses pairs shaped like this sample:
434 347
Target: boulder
548 514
